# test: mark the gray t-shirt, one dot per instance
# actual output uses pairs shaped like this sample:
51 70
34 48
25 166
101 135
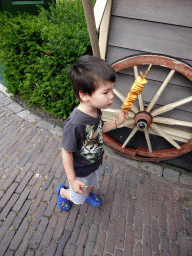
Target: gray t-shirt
82 135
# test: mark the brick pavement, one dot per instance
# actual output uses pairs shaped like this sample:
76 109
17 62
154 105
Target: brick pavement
142 212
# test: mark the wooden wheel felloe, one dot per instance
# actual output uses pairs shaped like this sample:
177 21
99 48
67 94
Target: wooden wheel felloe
149 117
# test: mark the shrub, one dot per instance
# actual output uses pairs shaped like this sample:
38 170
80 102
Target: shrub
36 52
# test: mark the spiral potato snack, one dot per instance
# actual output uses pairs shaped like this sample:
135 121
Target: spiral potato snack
136 89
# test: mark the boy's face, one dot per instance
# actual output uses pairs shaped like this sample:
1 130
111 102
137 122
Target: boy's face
103 96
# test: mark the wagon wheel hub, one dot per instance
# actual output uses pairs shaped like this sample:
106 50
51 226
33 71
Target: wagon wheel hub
143 119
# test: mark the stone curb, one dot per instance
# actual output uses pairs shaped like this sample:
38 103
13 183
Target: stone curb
173 175
26 115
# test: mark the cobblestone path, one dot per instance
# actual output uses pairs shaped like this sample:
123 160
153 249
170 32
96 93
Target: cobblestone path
142 214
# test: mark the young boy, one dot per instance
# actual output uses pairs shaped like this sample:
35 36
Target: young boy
82 142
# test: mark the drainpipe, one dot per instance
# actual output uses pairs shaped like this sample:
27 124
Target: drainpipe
90 19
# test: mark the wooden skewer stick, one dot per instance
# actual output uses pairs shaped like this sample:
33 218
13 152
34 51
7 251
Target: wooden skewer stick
143 76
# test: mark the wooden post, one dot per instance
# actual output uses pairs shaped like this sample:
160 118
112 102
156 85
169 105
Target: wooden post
104 29
90 19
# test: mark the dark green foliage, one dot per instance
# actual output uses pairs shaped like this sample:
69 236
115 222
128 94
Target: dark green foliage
36 52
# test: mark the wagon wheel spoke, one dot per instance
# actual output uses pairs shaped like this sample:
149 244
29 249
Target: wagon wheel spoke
119 95
164 135
158 93
115 112
141 105
130 136
171 121
148 140
177 133
122 98
127 123
171 106
174 137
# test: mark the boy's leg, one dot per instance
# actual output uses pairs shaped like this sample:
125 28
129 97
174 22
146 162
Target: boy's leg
87 196
92 198
65 193
63 198
89 189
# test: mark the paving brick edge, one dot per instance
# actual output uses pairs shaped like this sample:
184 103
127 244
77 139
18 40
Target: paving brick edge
28 116
169 174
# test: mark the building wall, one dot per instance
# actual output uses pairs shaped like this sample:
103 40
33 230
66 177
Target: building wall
154 27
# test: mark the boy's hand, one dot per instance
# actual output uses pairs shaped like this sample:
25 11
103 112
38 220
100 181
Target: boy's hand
121 118
77 186
108 126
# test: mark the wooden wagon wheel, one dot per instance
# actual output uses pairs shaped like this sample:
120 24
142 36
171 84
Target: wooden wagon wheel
147 119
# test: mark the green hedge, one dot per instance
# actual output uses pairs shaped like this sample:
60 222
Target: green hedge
36 52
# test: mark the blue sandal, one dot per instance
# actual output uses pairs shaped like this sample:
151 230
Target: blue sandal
94 200
63 203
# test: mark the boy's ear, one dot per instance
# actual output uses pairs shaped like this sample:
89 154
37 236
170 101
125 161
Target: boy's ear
84 96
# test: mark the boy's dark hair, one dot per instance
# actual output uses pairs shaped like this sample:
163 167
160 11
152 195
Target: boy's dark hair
86 74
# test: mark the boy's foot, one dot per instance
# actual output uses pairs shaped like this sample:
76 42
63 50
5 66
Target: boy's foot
94 200
63 203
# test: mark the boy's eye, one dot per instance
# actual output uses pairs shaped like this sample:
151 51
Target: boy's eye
105 92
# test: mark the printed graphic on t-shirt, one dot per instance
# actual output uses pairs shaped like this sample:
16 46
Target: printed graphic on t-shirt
92 148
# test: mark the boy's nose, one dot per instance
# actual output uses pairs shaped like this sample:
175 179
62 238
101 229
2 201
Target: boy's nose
111 95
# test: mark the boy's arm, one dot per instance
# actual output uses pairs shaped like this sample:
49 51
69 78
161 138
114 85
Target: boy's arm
76 184
111 125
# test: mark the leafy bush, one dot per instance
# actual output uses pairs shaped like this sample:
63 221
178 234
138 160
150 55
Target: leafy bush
36 52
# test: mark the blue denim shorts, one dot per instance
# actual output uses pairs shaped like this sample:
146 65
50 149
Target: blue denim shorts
92 180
